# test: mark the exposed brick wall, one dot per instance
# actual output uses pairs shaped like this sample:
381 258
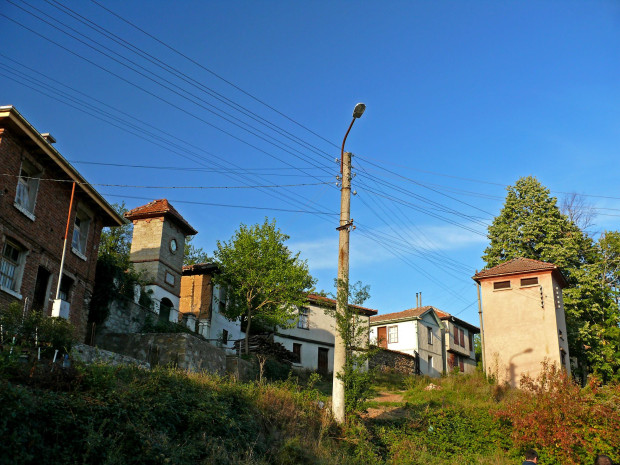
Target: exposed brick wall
43 237
196 294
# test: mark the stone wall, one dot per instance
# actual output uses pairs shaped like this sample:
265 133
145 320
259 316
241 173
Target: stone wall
89 354
125 316
180 350
396 361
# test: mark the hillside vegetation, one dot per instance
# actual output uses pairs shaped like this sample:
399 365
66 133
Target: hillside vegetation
122 415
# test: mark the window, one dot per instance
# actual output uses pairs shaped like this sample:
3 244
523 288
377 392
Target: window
471 341
224 337
429 335
456 335
462 338
27 186
65 288
297 352
392 334
169 278
11 267
529 281
430 363
501 285
303 322
80 233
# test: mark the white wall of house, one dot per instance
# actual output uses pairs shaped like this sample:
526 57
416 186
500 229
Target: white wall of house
406 336
430 345
413 336
319 333
214 328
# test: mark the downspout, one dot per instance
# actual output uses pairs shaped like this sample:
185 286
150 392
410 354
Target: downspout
64 247
484 367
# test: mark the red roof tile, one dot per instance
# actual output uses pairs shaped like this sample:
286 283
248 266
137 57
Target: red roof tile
158 208
327 300
517 266
410 313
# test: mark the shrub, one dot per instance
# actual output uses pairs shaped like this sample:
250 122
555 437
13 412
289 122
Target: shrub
566 423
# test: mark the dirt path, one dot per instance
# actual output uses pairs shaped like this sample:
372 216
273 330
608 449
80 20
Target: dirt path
389 411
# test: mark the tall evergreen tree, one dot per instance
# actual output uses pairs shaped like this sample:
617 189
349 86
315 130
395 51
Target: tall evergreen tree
531 225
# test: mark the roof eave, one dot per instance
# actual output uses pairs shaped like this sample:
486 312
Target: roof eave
22 123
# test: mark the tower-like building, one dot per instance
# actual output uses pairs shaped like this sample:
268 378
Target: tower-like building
157 249
522 318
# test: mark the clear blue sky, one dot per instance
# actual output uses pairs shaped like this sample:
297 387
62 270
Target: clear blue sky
462 99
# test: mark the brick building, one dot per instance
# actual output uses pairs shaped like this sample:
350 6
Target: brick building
35 198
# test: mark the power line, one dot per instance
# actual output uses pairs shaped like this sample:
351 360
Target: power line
213 73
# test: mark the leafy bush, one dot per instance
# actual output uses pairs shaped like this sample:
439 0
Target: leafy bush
33 329
566 423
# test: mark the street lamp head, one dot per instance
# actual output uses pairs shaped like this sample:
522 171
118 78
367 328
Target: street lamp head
359 110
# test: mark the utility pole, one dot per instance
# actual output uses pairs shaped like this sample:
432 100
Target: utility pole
342 295
342 299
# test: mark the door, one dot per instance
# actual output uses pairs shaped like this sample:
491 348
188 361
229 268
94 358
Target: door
382 336
323 360
40 289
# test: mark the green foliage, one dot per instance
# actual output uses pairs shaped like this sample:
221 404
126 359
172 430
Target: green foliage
194 255
262 278
565 423
34 329
531 225
152 324
115 242
356 376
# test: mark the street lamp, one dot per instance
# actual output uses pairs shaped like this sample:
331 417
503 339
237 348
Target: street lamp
358 111
342 299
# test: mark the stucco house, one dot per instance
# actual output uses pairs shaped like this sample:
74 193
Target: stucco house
37 209
416 331
459 352
312 339
523 321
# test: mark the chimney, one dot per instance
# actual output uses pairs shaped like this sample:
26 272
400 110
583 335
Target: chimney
420 299
49 138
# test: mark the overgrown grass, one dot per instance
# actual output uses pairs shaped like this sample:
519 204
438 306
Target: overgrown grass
120 415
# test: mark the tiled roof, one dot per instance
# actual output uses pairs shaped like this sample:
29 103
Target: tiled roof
410 313
200 268
514 266
332 302
158 208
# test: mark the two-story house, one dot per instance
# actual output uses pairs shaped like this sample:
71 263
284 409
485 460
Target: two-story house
312 339
416 331
42 199
459 351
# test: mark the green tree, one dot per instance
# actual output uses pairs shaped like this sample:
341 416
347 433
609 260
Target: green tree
115 243
194 255
264 280
531 225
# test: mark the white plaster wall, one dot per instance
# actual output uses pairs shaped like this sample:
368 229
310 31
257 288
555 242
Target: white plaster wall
435 349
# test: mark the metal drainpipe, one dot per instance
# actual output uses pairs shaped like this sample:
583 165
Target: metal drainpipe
484 366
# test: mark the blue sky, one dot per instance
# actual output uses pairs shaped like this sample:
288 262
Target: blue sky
463 98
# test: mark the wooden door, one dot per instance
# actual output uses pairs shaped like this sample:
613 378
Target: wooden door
382 336
323 360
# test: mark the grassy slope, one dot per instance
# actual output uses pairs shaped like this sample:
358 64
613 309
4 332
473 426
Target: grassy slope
106 415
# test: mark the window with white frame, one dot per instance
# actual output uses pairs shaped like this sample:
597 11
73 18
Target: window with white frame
303 322
429 335
392 334
430 363
80 232
11 266
27 187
